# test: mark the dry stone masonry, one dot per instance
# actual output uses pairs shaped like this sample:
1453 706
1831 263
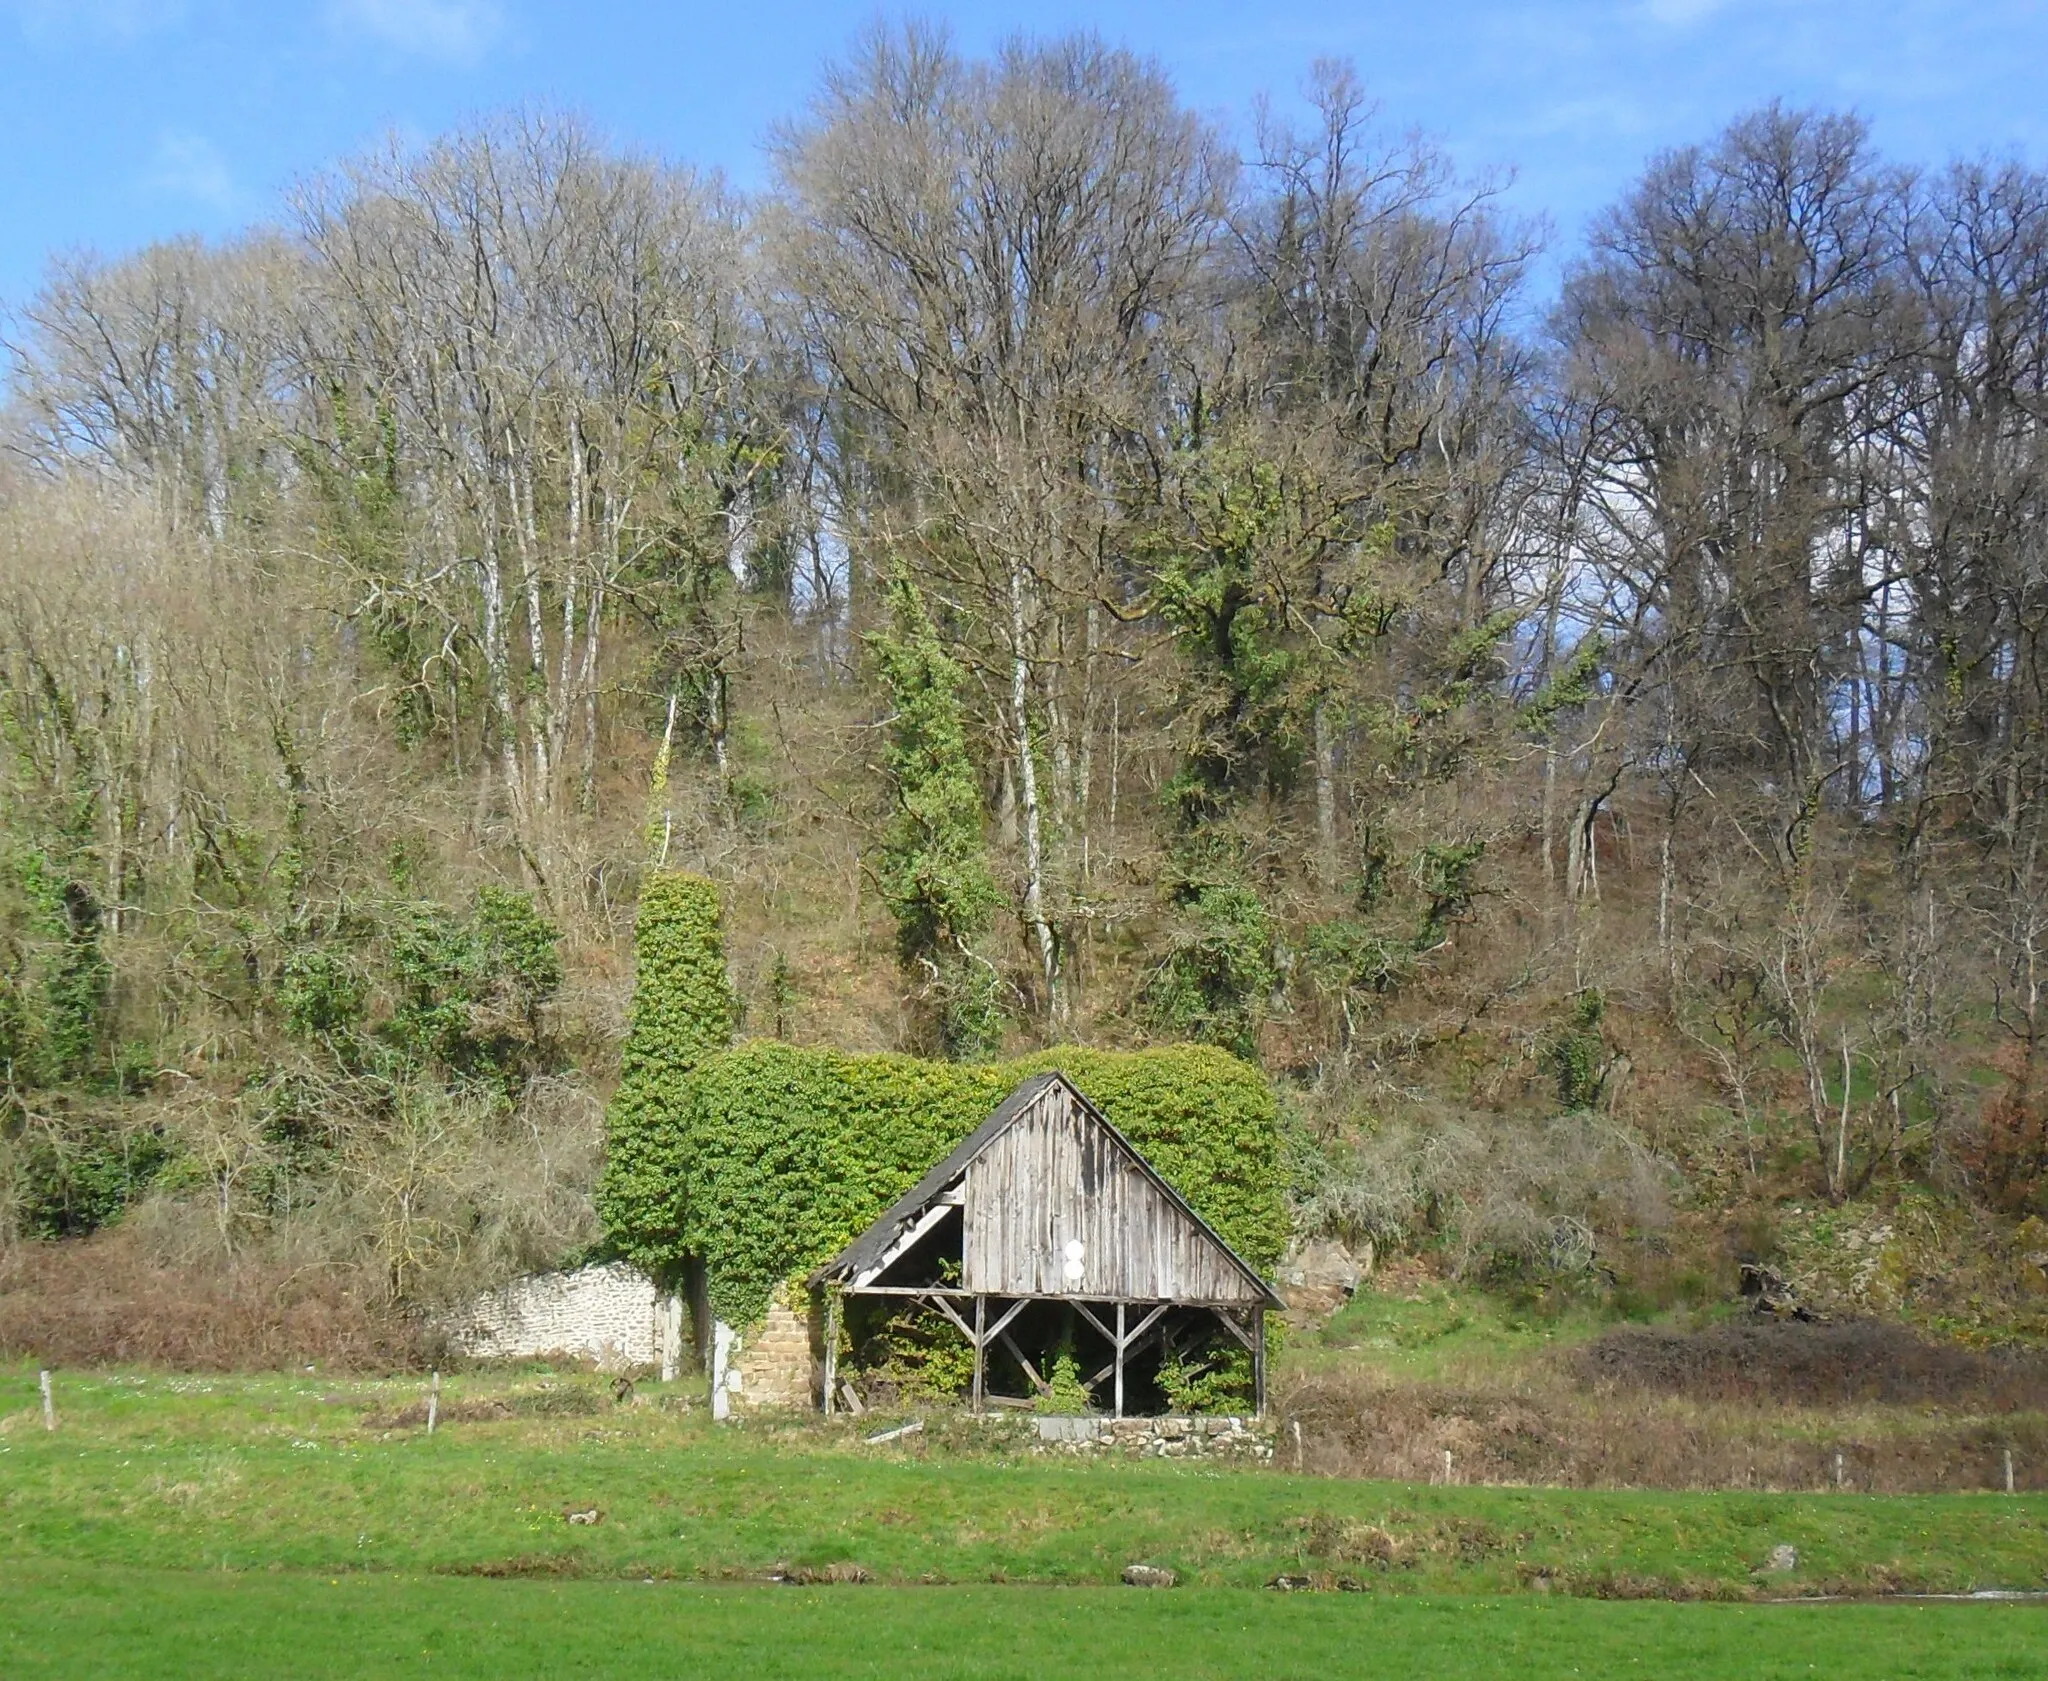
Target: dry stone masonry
610 1315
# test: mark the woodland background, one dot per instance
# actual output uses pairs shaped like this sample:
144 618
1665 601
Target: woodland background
1067 582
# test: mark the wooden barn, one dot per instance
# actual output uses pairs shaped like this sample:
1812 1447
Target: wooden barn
1047 1230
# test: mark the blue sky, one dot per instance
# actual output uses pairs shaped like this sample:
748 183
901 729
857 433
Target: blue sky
123 121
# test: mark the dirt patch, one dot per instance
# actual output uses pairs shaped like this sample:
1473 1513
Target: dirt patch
1840 1363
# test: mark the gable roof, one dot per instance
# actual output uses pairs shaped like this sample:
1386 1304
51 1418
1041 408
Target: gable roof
869 1248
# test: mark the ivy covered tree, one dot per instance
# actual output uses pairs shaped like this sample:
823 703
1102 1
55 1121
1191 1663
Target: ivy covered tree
933 861
683 1010
1268 579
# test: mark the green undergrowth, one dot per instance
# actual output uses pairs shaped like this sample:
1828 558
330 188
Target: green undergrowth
66 1620
1436 1329
310 1474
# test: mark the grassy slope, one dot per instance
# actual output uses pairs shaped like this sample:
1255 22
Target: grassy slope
256 1473
70 1620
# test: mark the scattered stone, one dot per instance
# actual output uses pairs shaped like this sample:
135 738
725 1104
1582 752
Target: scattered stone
1148 1576
592 1515
1783 1558
1291 1584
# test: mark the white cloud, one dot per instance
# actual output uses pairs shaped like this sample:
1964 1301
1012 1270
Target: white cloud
53 23
191 167
456 30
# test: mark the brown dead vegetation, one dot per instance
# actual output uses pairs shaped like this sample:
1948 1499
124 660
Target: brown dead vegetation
1868 1409
107 1301
1815 1365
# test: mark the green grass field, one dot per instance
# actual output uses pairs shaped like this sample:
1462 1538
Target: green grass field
300 1525
71 1620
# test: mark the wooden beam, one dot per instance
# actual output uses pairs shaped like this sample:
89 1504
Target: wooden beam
980 1349
1009 1314
940 1302
909 1240
1119 1361
1101 1329
961 1294
933 1290
1146 1324
1030 1371
1134 1341
1259 1363
1234 1328
831 1345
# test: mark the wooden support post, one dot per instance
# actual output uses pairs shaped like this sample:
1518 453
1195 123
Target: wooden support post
1119 1359
1258 1362
831 1345
980 1349
49 1401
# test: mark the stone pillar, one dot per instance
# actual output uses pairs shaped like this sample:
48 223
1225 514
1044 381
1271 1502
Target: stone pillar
671 1338
724 1373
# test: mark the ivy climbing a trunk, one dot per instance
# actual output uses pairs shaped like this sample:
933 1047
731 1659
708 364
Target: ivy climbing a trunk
933 866
683 1011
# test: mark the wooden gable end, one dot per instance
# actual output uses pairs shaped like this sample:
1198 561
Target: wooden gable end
1056 1177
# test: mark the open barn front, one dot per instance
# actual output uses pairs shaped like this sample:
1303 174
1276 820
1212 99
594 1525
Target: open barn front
1128 1359
1045 1264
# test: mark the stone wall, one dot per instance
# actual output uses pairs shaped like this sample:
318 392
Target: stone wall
772 1364
610 1315
1155 1438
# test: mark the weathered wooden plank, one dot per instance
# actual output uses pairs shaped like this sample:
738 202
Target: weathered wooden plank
1056 1207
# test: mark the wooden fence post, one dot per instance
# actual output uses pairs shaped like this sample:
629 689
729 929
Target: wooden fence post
433 1403
49 1403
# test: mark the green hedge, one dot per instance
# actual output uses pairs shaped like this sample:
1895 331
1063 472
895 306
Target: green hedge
766 1159
784 1154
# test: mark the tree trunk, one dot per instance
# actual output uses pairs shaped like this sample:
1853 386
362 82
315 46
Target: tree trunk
1326 796
1027 790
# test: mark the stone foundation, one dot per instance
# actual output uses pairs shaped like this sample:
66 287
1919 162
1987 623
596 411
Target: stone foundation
1156 1438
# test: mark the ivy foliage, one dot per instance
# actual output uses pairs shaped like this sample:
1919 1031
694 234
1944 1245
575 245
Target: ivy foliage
373 1009
71 1180
55 980
767 1159
1218 973
683 1011
1577 1052
470 990
1374 951
934 866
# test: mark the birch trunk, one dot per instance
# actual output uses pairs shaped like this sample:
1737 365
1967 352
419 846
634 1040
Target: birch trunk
498 664
1027 790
